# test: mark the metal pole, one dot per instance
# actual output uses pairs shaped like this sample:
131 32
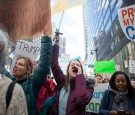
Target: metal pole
61 20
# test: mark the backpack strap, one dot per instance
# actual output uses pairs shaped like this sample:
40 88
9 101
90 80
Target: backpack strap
9 93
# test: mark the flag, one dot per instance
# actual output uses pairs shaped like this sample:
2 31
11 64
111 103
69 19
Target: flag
61 5
104 67
25 18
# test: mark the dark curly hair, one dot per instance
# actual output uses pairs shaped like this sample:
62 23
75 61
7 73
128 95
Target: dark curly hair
131 91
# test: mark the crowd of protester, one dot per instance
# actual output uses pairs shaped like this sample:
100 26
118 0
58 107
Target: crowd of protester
29 88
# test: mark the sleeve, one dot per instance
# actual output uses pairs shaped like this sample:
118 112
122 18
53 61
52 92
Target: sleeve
103 107
20 105
56 69
39 76
85 95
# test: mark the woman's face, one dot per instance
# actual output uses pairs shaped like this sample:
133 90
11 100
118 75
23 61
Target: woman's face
120 82
74 64
20 69
99 79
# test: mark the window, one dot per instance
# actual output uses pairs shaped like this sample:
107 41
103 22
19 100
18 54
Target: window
112 3
107 16
114 14
119 4
108 25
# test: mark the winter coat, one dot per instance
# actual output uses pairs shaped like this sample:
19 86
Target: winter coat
107 102
32 85
79 95
17 105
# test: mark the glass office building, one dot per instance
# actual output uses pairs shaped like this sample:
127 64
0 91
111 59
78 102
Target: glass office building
105 38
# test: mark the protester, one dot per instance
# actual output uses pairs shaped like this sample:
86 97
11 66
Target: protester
120 97
132 79
12 98
106 80
46 91
99 79
72 93
32 82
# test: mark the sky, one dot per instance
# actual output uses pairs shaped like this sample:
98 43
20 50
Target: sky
72 29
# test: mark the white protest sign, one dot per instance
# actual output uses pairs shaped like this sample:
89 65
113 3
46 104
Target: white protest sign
11 55
126 17
131 66
94 104
26 49
7 67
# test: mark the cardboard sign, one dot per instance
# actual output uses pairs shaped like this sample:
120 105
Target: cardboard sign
126 17
25 18
26 49
61 5
94 104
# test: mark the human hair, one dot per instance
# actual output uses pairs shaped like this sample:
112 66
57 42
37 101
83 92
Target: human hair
98 75
29 64
131 92
3 42
67 76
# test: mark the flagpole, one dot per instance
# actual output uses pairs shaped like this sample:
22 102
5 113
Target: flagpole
61 20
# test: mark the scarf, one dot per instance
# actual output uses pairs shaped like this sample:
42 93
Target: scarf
120 97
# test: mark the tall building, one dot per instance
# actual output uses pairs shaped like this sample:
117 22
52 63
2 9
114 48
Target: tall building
106 40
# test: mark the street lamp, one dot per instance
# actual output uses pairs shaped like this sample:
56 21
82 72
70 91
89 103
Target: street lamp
96 52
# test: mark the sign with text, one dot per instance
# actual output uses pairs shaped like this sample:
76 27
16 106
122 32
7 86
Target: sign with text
131 66
26 49
126 17
94 104
25 18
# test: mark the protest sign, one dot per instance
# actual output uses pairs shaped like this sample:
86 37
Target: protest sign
25 18
94 104
104 67
126 17
131 66
26 49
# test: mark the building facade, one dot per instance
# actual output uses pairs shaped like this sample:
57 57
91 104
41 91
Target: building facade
106 40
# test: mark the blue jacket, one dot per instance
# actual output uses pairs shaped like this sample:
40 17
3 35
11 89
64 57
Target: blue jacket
32 85
107 102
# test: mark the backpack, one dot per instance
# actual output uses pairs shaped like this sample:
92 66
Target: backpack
46 105
9 93
46 91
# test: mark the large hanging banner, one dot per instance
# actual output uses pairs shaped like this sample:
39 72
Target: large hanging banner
61 5
25 18
98 94
126 17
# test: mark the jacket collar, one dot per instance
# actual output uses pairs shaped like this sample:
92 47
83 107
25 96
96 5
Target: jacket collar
21 81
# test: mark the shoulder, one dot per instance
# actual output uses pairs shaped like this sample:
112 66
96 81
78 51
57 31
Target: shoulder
107 93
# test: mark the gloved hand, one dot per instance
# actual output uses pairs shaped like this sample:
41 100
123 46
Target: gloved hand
90 81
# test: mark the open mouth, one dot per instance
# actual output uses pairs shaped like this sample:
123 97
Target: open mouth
75 69
14 70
